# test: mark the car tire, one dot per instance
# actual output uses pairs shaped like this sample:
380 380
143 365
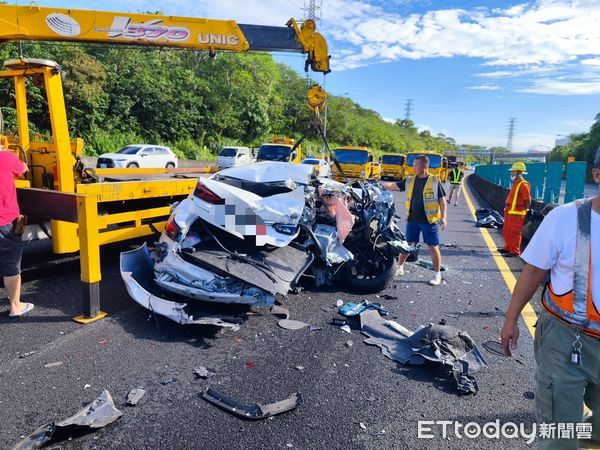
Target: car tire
133 165
170 165
377 283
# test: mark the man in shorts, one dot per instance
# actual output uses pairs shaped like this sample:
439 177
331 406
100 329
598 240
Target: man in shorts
10 239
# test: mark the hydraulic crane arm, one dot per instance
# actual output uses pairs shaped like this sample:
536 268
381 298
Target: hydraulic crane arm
72 25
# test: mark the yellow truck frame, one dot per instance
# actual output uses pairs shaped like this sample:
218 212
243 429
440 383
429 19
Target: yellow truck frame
437 171
391 171
369 170
87 212
295 157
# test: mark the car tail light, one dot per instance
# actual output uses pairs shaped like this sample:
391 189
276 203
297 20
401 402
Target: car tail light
203 193
172 229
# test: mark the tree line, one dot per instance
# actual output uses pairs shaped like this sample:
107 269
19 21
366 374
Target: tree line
195 103
582 146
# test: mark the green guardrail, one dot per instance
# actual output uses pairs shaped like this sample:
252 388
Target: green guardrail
545 179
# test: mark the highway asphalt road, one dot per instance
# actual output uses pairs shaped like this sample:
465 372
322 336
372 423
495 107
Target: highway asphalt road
343 386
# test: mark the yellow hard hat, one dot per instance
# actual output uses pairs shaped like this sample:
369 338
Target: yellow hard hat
518 167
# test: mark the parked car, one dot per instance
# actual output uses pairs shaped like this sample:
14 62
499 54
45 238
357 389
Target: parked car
235 157
322 169
139 155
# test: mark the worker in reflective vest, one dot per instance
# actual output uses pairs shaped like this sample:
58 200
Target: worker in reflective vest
425 213
567 334
517 204
456 176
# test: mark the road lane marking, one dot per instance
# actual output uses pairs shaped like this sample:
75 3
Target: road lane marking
528 313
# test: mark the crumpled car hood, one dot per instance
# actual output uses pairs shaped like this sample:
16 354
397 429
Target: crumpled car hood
270 172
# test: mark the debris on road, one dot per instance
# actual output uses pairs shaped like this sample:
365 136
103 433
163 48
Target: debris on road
454 316
134 396
339 303
428 265
351 309
26 355
97 414
349 343
494 347
345 329
293 325
169 381
250 364
280 311
314 328
299 368
254 411
53 364
338 322
443 344
489 218
204 372
388 296
363 426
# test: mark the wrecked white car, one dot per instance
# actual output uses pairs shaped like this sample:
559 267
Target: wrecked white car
248 234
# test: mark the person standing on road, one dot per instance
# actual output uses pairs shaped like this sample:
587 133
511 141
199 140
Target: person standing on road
456 177
10 238
567 335
515 209
425 213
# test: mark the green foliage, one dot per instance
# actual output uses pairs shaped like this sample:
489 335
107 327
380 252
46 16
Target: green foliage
583 147
195 104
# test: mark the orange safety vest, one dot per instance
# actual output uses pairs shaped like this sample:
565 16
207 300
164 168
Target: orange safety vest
576 307
512 207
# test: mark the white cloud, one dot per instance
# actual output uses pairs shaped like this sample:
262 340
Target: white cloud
497 74
484 87
389 119
559 87
591 62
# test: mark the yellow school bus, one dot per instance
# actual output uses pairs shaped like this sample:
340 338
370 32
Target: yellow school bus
435 163
356 162
392 166
277 151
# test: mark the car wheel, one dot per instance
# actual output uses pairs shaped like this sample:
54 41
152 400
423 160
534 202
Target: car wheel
132 165
170 165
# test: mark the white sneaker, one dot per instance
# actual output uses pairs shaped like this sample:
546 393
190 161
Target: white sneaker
436 281
400 271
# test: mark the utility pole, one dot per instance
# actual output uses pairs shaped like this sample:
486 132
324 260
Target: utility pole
312 9
408 107
512 122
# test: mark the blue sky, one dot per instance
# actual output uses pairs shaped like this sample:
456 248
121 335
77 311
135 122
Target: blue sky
468 65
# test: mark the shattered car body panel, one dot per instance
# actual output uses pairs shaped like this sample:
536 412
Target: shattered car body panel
97 414
442 344
249 233
136 271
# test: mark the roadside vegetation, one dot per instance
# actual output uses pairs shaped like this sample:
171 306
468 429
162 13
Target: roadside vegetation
583 147
196 104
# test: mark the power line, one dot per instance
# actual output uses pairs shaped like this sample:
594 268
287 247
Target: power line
512 122
408 108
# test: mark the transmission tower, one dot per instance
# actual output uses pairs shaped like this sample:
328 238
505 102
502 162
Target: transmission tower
512 122
312 9
408 107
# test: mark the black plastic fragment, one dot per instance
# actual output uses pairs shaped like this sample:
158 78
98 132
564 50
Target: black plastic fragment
252 411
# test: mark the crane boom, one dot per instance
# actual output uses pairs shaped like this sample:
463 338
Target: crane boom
73 25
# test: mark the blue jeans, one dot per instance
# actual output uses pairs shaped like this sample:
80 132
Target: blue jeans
431 235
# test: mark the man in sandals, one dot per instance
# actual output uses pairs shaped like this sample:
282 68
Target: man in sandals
10 239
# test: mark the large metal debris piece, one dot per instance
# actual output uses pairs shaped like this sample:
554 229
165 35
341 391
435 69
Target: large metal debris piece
134 396
254 411
97 414
136 271
443 344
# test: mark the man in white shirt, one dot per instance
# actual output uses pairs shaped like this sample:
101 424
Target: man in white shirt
567 336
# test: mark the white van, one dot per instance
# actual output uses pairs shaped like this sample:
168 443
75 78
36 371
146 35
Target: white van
235 157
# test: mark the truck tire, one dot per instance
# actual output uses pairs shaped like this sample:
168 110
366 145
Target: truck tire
132 165
375 284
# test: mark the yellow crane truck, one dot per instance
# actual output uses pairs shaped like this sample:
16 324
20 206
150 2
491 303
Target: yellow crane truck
84 208
356 162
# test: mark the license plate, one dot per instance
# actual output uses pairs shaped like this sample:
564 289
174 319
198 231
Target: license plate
103 166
